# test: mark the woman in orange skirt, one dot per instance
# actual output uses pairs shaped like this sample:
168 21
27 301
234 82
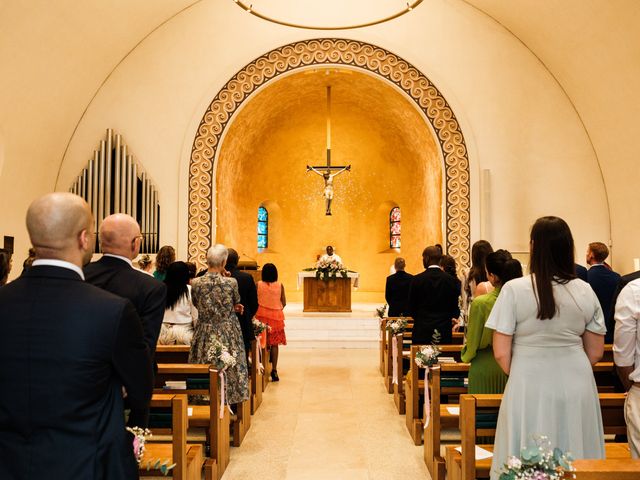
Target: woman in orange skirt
271 301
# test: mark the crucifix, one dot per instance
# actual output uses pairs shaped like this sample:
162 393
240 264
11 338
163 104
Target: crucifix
328 171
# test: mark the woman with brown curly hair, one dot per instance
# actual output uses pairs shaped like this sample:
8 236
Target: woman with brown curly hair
165 257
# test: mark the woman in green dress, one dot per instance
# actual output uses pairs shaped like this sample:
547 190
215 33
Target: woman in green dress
485 375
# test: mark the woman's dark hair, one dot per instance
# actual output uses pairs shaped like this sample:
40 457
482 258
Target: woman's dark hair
166 256
448 265
552 259
193 270
479 253
501 264
176 281
269 273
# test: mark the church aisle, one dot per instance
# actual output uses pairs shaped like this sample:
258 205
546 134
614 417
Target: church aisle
329 417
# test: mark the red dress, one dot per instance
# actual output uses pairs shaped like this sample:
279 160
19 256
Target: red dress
270 311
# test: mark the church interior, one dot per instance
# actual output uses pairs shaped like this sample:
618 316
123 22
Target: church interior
470 118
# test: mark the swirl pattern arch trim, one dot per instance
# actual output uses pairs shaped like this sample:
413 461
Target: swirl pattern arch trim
330 51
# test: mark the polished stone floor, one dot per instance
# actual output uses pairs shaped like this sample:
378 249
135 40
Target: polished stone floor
328 418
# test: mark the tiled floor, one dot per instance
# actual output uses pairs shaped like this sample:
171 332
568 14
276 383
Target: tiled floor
328 418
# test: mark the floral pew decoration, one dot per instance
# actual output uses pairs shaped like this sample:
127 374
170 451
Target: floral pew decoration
538 462
260 330
221 359
395 327
427 357
140 436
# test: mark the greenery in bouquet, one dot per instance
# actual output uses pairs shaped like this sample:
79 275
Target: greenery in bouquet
219 355
538 462
259 327
427 356
397 326
381 311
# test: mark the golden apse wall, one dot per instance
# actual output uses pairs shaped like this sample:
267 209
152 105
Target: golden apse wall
394 158
326 52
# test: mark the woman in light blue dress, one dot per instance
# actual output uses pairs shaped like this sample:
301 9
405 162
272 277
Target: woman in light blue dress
549 330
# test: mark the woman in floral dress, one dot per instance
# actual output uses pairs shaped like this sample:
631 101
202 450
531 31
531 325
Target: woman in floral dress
217 299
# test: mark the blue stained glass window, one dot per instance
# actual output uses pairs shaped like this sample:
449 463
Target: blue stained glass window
263 227
395 228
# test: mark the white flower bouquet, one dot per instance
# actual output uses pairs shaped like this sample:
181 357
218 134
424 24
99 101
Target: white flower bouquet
219 355
397 326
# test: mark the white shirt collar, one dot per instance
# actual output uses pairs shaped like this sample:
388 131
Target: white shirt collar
59 263
434 266
125 259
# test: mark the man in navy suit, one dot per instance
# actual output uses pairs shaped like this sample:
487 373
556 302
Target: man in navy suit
120 240
433 300
396 291
604 282
69 352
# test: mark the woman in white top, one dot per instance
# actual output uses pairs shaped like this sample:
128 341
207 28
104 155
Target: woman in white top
180 315
549 330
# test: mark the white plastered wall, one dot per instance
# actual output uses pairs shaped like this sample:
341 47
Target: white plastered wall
517 121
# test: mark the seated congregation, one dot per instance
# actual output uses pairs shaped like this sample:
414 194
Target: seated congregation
518 377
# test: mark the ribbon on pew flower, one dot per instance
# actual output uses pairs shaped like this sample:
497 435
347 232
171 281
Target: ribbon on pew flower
427 357
394 352
259 348
223 390
221 359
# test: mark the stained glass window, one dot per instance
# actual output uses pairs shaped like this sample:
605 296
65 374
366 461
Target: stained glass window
395 228
263 227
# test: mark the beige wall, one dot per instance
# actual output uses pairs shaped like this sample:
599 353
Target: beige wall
545 101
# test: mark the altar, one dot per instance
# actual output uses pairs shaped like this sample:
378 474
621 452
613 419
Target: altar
330 295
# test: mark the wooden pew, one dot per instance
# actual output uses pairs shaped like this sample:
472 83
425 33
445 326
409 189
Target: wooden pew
388 358
414 390
404 345
608 469
172 353
256 375
464 466
441 418
189 459
204 416
383 346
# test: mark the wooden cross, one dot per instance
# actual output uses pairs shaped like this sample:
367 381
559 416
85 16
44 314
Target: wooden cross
328 171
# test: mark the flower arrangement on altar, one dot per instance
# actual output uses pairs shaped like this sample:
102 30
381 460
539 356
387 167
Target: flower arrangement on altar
326 270
397 326
219 355
381 311
538 462
259 327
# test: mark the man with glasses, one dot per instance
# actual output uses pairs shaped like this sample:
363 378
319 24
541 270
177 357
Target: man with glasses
120 240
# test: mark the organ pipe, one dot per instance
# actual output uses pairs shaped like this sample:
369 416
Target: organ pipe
114 182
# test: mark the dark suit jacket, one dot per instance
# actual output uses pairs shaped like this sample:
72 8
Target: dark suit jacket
147 294
396 293
249 299
67 349
433 302
581 272
604 283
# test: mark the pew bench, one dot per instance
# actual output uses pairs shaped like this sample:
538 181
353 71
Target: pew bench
478 416
202 380
189 459
172 353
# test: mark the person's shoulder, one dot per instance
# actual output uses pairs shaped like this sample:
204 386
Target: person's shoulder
520 284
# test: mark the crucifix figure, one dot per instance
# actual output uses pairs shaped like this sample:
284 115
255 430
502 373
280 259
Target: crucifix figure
327 172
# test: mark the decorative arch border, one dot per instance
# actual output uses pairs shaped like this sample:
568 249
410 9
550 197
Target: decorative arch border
331 51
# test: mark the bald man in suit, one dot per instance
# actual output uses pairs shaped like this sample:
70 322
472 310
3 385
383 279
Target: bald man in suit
70 348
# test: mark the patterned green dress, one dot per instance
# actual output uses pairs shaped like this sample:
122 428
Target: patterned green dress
214 296
485 375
